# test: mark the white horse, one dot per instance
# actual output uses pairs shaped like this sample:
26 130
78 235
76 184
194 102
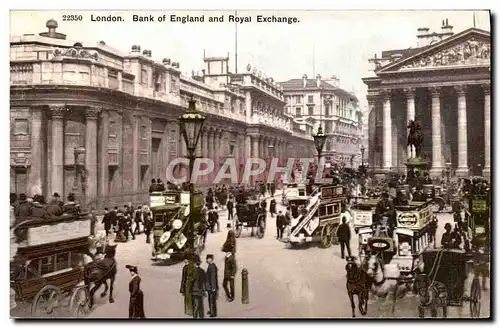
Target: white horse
382 286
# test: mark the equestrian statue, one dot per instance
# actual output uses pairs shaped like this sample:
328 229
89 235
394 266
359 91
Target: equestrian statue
415 138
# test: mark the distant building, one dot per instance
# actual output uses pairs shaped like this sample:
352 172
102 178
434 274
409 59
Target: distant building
322 101
444 84
122 110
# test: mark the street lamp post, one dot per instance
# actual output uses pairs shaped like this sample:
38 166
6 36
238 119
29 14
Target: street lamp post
319 141
448 172
362 155
77 151
191 125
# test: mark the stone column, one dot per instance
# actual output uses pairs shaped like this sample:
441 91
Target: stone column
487 131
57 164
210 145
248 146
410 114
387 132
255 146
135 157
37 141
204 143
103 157
462 167
437 165
91 115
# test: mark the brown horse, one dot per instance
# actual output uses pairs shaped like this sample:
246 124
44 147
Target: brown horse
98 272
358 283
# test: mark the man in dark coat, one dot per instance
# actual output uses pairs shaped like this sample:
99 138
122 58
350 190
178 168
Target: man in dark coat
384 207
106 220
198 289
38 208
148 225
280 225
230 208
153 186
54 209
160 186
230 270
272 207
23 210
71 206
272 189
212 286
447 238
344 236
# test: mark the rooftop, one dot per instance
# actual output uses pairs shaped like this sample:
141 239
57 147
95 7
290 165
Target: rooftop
298 84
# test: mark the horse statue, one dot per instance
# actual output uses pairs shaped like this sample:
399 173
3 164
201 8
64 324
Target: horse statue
415 137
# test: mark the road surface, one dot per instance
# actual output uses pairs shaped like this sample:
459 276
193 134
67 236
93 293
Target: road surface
284 283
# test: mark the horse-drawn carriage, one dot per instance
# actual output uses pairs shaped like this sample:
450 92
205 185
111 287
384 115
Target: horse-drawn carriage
250 215
47 272
443 282
172 217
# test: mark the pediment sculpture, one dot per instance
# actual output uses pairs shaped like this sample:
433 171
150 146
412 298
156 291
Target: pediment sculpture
470 52
75 53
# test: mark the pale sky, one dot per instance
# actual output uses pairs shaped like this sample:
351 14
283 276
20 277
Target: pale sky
343 41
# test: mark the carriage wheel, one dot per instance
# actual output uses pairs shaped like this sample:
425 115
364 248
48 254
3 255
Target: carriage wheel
335 239
79 303
261 226
326 236
475 298
46 301
237 227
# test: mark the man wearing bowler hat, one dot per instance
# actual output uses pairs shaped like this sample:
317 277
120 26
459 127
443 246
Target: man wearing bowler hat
212 286
198 289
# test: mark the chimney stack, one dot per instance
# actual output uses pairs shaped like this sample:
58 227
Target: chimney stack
446 29
304 80
318 80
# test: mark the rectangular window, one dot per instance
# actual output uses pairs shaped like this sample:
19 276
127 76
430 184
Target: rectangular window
20 126
298 112
310 99
310 110
47 265
327 111
144 75
298 99
62 261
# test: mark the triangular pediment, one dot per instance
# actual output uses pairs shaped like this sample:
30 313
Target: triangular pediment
470 48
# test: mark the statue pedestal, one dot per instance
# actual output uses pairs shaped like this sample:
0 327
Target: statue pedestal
417 164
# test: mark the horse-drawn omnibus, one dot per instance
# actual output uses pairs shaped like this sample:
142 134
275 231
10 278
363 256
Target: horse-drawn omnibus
320 218
49 265
172 217
411 235
409 238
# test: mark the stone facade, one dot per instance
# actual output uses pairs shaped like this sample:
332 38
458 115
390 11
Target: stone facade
123 109
445 85
321 101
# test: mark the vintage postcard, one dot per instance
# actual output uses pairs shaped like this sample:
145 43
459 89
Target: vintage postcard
250 164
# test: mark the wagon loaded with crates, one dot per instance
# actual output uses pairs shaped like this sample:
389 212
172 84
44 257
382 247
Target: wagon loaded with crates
46 273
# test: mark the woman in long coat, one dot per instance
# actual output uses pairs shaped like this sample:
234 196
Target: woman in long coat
230 243
136 303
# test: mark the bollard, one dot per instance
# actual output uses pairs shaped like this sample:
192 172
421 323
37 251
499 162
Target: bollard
244 287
